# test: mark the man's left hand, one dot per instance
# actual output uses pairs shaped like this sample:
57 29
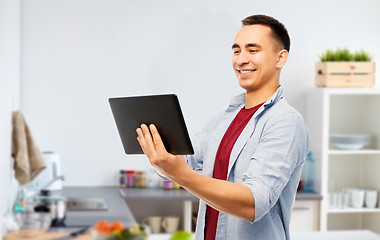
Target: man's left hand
153 147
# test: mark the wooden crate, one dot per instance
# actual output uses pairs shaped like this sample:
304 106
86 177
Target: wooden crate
345 74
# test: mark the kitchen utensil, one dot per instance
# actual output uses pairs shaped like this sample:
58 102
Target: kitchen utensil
31 223
349 142
170 224
154 223
72 234
357 196
370 198
336 200
346 199
53 204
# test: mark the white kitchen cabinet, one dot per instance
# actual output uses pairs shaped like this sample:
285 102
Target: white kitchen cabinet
345 111
305 216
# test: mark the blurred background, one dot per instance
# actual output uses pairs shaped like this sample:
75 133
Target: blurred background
61 60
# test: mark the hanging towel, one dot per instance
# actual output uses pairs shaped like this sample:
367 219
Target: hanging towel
28 159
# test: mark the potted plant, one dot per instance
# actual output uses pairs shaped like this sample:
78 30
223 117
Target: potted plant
341 68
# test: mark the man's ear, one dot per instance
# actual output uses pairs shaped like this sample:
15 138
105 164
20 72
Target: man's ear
282 57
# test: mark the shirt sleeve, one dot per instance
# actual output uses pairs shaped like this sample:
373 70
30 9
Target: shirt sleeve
200 143
283 146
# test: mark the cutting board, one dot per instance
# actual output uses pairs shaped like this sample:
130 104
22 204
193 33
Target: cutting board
46 236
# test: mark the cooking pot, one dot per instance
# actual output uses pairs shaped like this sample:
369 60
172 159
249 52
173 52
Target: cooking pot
53 204
44 201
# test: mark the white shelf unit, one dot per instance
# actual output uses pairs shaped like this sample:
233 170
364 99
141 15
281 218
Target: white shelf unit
345 111
354 210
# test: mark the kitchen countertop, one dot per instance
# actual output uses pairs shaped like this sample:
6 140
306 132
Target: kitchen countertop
308 196
181 194
330 235
156 194
117 208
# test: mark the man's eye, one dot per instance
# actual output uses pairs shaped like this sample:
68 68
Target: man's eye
253 51
236 51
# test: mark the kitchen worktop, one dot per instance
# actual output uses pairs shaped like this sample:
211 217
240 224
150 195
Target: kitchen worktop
156 194
308 196
331 235
117 208
181 194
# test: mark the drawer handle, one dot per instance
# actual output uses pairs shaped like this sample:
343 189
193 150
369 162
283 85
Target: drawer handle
301 209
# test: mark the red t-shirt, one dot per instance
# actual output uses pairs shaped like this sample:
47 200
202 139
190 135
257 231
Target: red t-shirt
222 160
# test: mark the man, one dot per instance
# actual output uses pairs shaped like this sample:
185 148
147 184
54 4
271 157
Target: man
248 160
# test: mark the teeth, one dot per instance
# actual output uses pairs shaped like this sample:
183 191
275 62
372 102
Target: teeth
245 71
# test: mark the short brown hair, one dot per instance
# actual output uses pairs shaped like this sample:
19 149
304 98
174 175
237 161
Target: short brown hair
278 29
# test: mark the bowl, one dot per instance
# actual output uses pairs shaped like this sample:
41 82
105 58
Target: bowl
31 224
349 141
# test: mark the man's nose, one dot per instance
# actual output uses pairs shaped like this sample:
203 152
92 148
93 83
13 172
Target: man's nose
242 58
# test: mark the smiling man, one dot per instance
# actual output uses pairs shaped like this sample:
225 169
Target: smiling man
248 159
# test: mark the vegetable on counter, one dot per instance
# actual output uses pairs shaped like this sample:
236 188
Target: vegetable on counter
116 231
182 235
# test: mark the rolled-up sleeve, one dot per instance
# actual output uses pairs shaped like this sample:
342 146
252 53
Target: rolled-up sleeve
282 146
200 144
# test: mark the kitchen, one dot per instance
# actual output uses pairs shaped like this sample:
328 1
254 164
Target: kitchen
63 59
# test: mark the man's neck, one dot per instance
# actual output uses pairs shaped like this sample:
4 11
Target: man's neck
253 98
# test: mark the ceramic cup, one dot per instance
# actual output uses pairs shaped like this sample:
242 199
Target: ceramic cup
331 204
170 224
154 223
357 197
336 200
370 198
347 197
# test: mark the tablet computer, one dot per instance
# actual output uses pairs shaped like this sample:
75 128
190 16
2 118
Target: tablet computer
163 111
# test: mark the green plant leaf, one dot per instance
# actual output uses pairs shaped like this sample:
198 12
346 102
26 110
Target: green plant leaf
344 55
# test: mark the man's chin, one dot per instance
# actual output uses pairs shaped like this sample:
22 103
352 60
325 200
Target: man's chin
246 84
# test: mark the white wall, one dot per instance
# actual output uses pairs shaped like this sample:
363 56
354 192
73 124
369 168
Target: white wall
9 92
78 53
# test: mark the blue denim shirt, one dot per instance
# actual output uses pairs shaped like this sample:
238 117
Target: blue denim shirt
267 157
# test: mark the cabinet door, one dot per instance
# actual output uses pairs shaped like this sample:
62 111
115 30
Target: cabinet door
305 216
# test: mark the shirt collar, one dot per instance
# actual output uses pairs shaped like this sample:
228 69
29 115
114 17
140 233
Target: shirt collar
240 99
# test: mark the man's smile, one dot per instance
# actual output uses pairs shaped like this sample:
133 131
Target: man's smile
245 70
244 73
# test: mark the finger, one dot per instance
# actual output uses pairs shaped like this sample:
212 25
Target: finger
141 139
149 144
159 145
146 134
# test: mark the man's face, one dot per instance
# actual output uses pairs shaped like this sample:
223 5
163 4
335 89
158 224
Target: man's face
255 54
